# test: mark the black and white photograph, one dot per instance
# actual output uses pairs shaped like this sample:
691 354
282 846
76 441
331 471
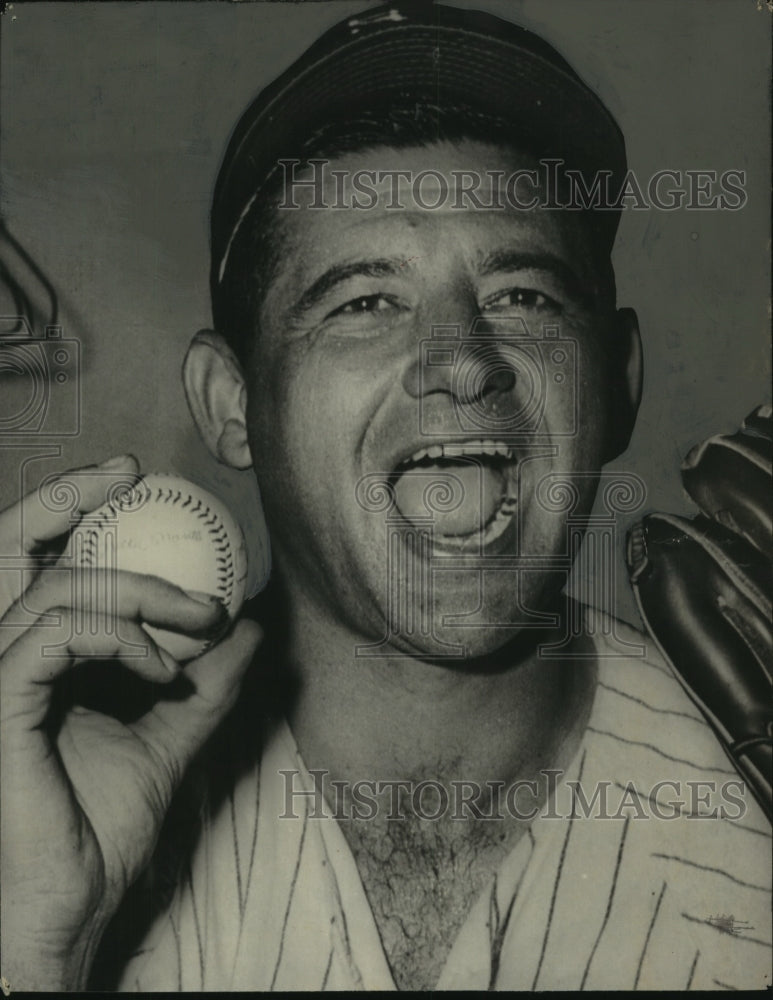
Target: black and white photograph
386 548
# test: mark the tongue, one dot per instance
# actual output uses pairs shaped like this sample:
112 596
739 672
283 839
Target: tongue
473 491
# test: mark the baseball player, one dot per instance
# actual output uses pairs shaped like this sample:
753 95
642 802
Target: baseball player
415 763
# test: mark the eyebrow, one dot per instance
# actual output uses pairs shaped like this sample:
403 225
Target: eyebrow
381 267
498 261
508 260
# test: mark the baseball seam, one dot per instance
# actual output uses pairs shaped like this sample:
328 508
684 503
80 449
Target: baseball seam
203 512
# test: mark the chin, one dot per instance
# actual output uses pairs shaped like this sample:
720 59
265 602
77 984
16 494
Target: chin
464 624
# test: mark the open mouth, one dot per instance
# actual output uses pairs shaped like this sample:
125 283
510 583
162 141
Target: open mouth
467 490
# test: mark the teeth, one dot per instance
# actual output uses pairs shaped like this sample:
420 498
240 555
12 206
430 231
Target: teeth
460 449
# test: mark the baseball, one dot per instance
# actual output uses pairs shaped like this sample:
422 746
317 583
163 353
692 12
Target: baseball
169 527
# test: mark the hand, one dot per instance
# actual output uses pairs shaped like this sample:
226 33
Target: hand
704 591
84 794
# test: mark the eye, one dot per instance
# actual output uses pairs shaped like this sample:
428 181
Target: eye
364 305
522 298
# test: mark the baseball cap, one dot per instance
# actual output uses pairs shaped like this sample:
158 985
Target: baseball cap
407 53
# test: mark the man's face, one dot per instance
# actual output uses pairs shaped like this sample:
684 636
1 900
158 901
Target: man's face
349 406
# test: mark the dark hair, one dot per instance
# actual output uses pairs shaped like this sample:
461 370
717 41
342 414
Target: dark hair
253 255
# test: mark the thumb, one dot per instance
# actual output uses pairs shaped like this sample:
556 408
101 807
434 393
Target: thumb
178 725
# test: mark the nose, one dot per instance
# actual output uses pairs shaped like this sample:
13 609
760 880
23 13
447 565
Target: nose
458 356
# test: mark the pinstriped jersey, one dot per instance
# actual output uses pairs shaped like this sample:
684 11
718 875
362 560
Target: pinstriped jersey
649 867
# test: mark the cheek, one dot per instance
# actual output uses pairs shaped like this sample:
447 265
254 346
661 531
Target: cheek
593 374
270 416
564 482
302 414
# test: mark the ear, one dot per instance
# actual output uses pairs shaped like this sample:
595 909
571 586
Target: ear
626 371
217 398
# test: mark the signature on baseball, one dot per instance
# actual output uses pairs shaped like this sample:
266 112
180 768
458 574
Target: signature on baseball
154 538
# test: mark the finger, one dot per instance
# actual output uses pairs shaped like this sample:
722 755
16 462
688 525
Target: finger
716 638
176 729
95 592
760 421
43 653
57 504
730 479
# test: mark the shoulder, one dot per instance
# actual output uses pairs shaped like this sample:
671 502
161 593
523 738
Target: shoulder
641 706
676 851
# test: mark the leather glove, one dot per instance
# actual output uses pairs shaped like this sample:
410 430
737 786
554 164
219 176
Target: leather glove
704 587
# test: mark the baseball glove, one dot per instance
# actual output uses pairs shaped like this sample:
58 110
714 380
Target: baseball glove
704 590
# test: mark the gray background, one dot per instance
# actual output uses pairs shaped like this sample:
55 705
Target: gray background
114 118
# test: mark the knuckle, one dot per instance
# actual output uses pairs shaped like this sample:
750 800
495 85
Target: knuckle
60 611
148 580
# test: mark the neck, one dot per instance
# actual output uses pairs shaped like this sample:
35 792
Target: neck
397 716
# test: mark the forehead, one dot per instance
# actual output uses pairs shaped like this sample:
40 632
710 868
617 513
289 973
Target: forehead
416 171
430 200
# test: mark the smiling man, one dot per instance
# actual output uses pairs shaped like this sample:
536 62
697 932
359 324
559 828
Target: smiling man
341 399
441 771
